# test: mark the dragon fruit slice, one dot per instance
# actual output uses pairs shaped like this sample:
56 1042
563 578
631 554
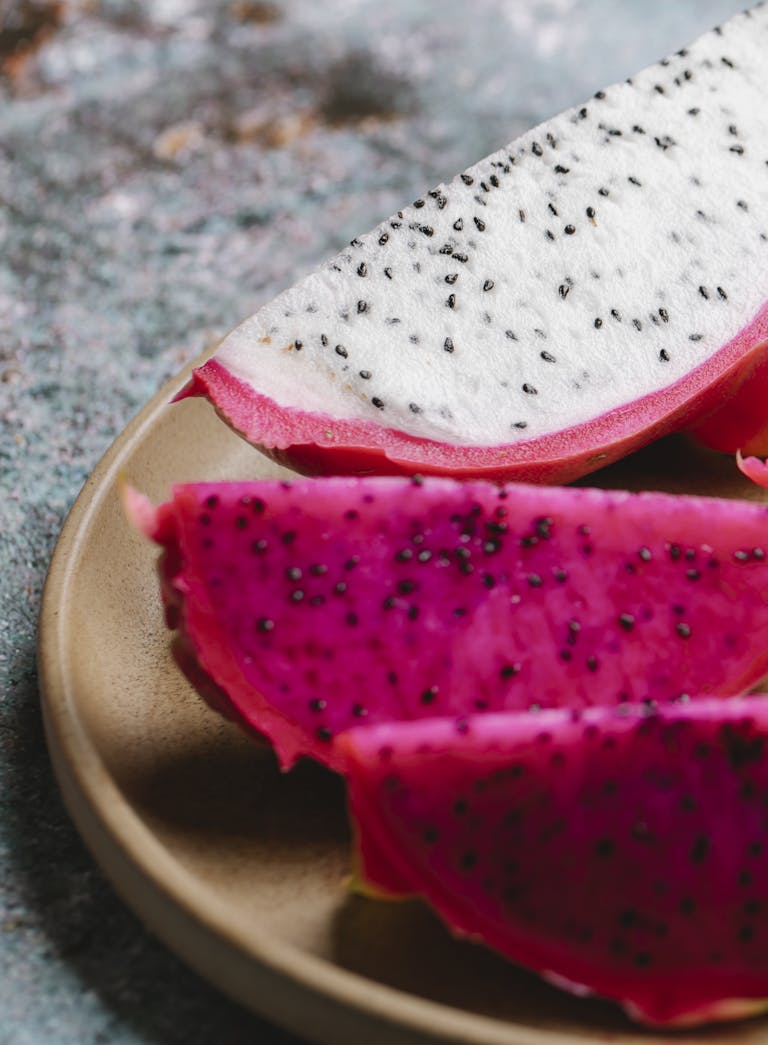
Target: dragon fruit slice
615 851
307 607
598 282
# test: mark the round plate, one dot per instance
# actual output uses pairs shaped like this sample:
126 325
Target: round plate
240 869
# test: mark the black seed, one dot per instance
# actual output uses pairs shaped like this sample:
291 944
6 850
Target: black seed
700 849
362 307
536 149
377 403
488 284
459 224
695 337
451 301
383 238
388 273
569 230
535 580
722 293
362 269
687 905
359 711
429 695
530 390
460 257
738 149
341 351
467 179
365 374
265 624
448 344
592 663
627 621
480 224
604 847
664 355
664 315
616 314
602 192
298 345
451 278
324 734
317 704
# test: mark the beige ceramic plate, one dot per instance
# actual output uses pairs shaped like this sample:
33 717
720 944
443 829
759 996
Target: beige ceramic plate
237 868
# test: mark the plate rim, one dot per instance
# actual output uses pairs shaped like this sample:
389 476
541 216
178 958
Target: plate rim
304 990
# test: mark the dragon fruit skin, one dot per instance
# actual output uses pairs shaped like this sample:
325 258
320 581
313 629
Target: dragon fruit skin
306 607
754 469
599 282
615 851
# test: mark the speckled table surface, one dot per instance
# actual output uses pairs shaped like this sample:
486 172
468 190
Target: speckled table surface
166 166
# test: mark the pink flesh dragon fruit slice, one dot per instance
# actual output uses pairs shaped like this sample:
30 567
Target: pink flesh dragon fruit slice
615 851
307 607
599 282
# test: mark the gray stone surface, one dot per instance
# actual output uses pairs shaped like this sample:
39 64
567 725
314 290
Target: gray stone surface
165 166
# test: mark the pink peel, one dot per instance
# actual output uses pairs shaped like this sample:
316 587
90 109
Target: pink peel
720 403
754 468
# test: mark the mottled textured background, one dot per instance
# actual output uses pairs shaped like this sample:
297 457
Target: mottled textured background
165 167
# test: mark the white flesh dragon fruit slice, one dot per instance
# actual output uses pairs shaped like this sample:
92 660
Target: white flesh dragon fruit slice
598 282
